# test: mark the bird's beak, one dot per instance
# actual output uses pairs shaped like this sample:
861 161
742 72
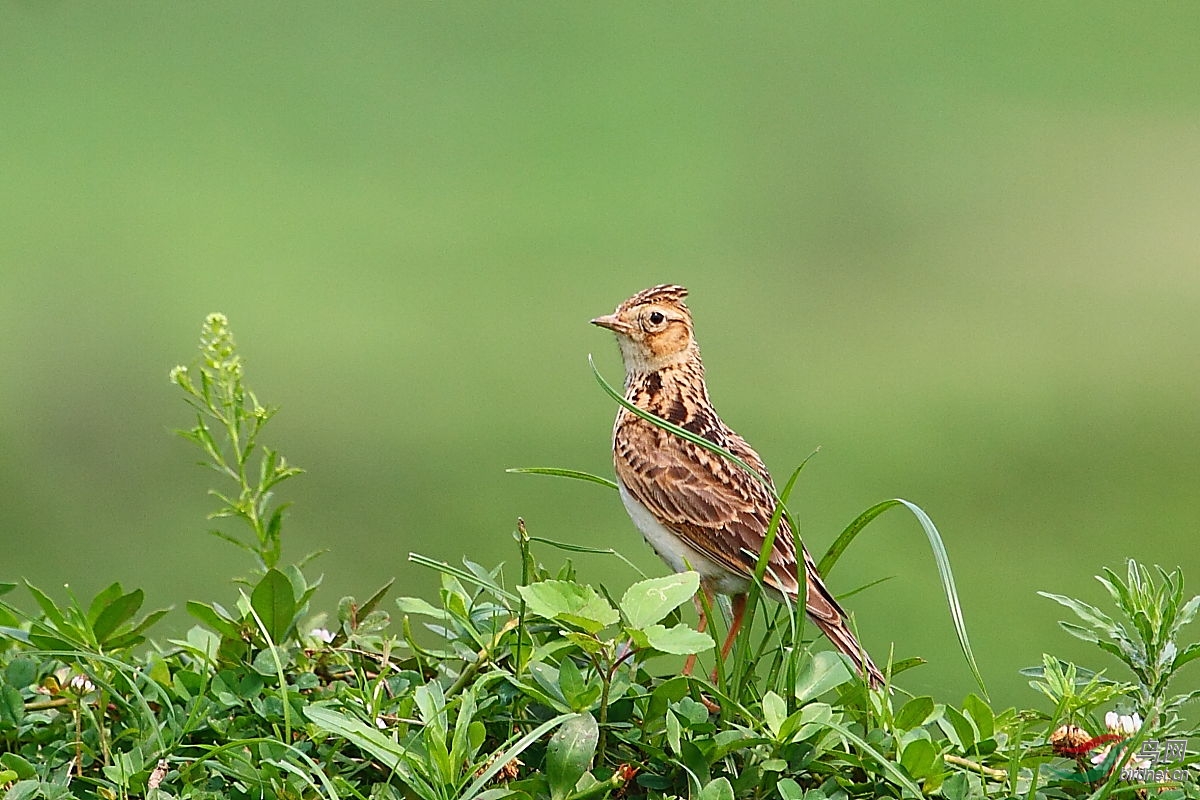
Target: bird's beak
611 322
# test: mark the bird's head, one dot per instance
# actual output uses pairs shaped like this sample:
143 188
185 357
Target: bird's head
654 329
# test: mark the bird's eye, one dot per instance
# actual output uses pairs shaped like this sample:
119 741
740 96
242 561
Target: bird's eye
656 317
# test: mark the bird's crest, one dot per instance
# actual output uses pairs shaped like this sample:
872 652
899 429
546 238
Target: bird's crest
663 293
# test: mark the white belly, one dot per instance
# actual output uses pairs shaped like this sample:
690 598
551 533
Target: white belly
677 553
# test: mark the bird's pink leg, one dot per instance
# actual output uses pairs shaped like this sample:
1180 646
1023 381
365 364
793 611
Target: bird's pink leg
700 626
735 625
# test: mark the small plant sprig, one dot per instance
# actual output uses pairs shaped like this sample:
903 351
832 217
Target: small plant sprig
1146 640
229 419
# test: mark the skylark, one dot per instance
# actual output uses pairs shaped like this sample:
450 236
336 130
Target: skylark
697 509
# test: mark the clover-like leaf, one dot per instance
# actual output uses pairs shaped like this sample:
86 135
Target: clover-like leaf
680 640
571 603
647 602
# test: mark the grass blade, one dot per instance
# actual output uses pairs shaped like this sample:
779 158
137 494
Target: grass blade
563 473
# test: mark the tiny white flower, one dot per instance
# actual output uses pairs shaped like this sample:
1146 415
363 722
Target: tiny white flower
1124 724
81 685
322 635
381 723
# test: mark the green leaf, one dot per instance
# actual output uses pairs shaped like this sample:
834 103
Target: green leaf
133 636
49 607
647 602
569 602
941 560
563 473
956 787
21 672
102 599
1189 653
718 789
12 708
680 640
19 765
275 604
570 681
918 758
24 790
569 754
823 671
213 619
1088 613
382 748
116 613
958 728
789 790
774 712
914 713
981 713
407 605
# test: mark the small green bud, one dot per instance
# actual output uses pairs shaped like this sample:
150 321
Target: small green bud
179 376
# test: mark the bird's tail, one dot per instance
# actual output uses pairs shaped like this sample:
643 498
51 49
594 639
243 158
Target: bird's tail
838 632
824 610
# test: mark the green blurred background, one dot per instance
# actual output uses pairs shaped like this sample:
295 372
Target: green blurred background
953 245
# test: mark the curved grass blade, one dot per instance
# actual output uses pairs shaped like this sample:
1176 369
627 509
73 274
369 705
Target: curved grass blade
682 433
462 574
508 755
891 769
563 473
940 558
579 548
847 536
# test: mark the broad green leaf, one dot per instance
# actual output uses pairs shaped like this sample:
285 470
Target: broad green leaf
956 787
981 713
118 611
12 707
24 790
806 722
774 712
679 640
719 789
1189 653
102 600
825 670
275 604
133 635
569 754
569 602
573 686
958 728
21 672
789 790
213 619
647 602
914 713
19 765
918 758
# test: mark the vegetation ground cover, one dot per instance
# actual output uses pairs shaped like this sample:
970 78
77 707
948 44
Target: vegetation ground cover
526 681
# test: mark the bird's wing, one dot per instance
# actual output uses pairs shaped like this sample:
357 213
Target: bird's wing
715 506
722 511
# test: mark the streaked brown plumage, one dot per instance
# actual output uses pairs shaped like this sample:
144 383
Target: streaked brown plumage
697 509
